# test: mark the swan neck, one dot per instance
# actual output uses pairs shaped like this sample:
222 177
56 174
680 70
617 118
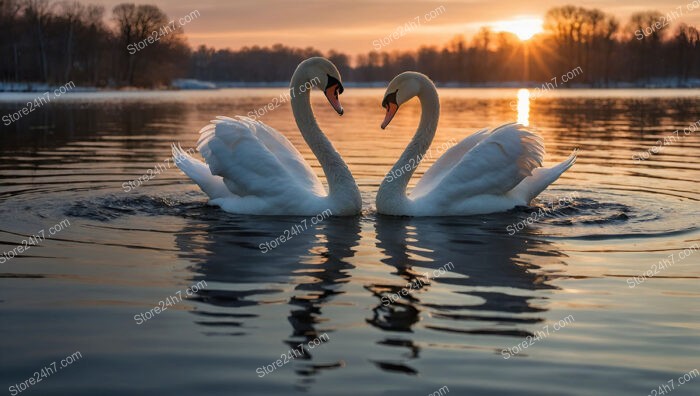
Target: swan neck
341 184
395 183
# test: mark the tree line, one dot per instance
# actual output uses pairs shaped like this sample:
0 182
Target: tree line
574 37
55 42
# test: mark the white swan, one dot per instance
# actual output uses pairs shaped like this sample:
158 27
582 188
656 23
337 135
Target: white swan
488 172
253 169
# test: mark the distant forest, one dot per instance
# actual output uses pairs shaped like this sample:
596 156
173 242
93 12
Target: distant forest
57 42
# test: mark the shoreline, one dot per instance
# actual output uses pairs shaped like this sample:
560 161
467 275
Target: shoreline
195 85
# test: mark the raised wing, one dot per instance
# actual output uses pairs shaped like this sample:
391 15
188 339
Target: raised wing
495 165
254 159
447 162
198 171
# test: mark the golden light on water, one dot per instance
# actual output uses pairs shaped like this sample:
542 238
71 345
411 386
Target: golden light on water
524 106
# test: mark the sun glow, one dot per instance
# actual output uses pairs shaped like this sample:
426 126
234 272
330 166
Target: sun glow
524 28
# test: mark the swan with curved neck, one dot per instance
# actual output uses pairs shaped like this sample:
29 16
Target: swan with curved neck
253 169
488 172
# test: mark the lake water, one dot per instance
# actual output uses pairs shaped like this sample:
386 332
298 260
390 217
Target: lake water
562 285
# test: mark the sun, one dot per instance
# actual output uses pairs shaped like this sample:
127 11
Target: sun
524 28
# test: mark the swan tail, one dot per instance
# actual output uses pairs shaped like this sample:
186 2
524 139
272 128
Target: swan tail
199 172
541 178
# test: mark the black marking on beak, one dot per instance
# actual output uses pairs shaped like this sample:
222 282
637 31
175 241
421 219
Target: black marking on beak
390 98
333 81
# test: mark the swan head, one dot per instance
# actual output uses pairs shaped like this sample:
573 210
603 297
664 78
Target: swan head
322 73
401 89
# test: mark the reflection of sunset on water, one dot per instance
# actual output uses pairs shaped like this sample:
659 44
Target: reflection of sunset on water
524 106
603 91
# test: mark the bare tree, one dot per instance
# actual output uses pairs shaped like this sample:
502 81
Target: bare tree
135 24
38 13
9 15
646 29
72 13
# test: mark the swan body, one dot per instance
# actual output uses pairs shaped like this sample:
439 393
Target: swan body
253 169
490 171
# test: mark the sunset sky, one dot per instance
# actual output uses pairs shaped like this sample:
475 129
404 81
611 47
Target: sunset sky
351 26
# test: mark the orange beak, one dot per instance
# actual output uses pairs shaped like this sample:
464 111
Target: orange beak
391 110
332 94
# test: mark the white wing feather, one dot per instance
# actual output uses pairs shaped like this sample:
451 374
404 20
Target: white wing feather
254 159
199 172
494 166
446 163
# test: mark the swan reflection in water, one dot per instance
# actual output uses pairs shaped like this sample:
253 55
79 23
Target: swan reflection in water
313 261
482 258
487 264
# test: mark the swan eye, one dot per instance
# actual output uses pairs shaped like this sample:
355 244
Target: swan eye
332 81
391 98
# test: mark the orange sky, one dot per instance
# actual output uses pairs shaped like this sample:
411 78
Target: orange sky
351 26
